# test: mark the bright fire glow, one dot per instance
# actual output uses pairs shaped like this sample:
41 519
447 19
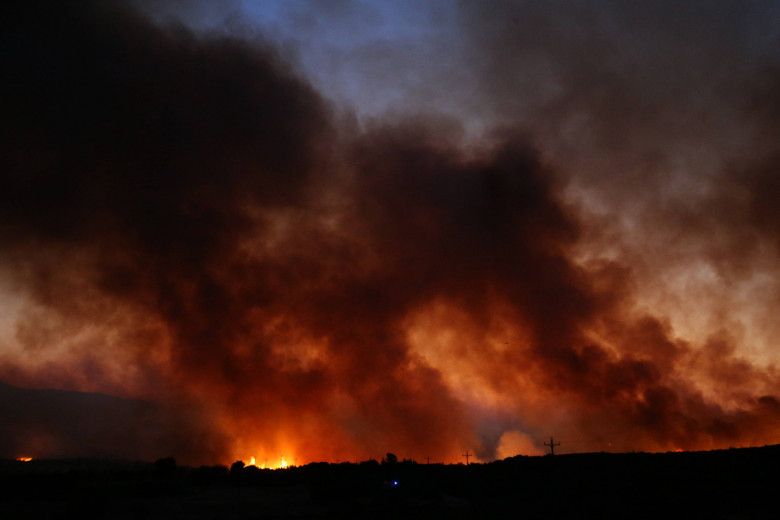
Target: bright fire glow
282 464
24 459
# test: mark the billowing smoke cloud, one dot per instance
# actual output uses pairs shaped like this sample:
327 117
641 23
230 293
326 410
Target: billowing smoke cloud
184 219
659 116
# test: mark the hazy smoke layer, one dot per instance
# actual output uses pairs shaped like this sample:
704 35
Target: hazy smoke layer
183 219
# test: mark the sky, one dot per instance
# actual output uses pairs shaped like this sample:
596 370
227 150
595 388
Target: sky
331 230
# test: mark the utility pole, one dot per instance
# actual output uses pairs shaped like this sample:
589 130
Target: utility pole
427 460
552 446
467 455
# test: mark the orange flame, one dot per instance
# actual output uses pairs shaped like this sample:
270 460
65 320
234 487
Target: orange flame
282 464
24 459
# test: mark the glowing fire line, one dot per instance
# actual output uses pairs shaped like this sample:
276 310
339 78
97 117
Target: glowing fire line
282 464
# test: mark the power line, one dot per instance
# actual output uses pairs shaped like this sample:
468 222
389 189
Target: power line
467 455
552 446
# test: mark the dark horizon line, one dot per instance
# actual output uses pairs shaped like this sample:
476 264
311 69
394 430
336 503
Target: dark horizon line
96 459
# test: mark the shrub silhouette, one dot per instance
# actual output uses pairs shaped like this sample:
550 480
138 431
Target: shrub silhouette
166 466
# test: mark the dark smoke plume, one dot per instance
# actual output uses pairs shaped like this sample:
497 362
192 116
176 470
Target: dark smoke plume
184 219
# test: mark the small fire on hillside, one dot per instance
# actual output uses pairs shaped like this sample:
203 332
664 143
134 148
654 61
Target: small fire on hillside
282 464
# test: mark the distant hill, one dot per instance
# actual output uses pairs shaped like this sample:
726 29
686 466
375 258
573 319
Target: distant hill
58 423
719 485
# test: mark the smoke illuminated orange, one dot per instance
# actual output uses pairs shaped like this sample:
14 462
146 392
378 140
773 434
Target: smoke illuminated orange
248 267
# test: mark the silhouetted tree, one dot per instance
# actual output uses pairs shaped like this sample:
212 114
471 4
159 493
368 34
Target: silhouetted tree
390 459
165 466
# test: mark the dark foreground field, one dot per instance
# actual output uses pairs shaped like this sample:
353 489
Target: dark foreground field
728 484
